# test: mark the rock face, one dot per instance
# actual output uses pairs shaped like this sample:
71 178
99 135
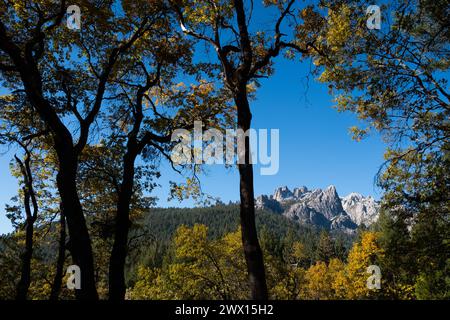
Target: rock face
326 202
298 192
306 215
264 202
343 222
362 210
322 208
283 194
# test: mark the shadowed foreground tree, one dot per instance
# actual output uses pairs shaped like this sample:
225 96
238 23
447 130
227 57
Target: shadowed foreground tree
396 80
244 56
35 62
66 76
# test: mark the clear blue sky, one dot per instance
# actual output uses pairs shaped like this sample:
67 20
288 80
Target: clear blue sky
316 149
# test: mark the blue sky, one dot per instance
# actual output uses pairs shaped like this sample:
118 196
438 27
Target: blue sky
316 149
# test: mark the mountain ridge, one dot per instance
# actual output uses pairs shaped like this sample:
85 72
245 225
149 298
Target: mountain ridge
321 207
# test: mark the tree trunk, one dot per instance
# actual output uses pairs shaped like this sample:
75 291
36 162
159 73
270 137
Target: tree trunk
80 248
57 282
119 252
31 216
25 276
252 249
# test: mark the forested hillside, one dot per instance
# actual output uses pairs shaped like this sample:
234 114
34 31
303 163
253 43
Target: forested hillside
160 225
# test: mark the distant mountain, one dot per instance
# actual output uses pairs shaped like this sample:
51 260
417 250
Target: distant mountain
322 208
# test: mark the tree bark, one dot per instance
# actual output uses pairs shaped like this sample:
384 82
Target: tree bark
80 248
57 281
119 252
31 216
252 249
25 276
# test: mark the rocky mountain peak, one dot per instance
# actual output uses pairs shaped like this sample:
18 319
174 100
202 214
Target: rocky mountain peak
331 191
353 197
325 201
298 192
283 194
362 210
323 208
